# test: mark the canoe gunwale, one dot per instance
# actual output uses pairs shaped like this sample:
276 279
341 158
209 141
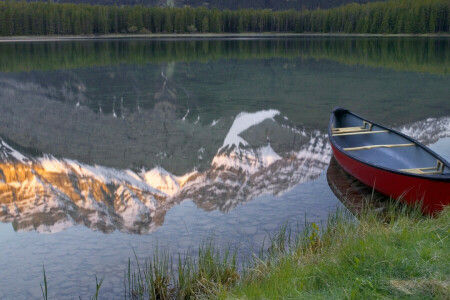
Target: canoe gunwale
435 177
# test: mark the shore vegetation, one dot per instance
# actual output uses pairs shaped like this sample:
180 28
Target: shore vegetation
19 18
396 253
391 252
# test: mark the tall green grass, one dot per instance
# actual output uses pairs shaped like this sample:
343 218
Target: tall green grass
200 276
44 288
390 252
396 252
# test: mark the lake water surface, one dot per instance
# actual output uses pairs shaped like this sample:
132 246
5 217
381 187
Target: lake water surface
115 146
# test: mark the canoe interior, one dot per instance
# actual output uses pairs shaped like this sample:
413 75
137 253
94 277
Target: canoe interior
392 158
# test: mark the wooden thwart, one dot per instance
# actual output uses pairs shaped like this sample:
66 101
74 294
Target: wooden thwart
366 127
439 169
349 129
360 132
378 146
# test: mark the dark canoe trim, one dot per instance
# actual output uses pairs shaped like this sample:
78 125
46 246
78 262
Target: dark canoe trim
440 177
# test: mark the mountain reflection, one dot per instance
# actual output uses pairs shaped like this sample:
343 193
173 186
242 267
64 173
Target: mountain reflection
49 194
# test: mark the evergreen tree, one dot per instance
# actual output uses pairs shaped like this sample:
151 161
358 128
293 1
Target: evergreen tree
168 22
7 22
205 24
385 23
157 20
432 23
410 22
240 27
180 21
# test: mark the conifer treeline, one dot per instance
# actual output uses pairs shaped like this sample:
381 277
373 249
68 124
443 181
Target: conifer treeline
225 4
48 18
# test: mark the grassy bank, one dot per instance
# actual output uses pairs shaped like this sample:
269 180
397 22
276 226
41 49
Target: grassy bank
392 253
397 254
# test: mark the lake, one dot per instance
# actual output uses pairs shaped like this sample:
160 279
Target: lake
110 148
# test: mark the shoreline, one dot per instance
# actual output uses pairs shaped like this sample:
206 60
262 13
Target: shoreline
387 253
211 36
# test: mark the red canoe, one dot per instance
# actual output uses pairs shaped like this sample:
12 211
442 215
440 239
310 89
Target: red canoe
389 162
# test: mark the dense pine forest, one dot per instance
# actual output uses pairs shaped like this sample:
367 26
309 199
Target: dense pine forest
226 4
48 18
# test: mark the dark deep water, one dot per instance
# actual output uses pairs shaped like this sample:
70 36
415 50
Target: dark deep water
110 146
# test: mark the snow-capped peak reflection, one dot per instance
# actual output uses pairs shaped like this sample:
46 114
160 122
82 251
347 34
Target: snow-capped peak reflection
49 194
244 121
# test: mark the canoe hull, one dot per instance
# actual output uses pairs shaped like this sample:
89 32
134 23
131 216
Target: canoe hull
433 194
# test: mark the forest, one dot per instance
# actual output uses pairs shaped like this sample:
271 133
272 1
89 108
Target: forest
48 18
225 4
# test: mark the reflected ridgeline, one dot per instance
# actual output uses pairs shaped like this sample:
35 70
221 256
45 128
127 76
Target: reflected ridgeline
127 120
82 113
430 55
260 154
